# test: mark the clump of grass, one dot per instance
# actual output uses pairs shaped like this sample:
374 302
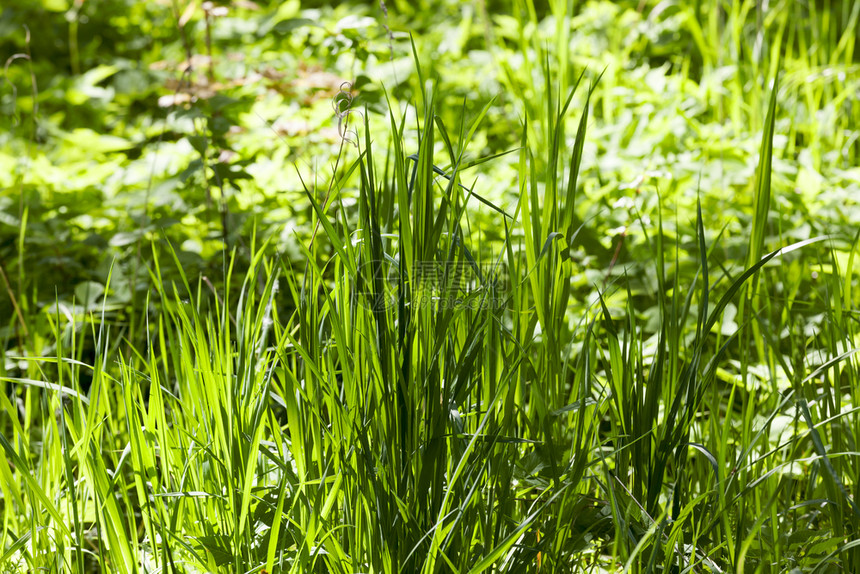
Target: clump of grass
437 402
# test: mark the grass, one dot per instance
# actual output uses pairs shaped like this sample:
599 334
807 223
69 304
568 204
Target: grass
451 379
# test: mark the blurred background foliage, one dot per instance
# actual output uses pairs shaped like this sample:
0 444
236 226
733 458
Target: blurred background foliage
128 124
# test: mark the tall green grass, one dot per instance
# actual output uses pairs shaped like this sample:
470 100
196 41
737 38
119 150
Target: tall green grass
381 429
439 401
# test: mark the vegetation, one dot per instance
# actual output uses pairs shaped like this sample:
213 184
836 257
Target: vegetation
430 287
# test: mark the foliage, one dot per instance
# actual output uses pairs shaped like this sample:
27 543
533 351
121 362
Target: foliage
429 287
